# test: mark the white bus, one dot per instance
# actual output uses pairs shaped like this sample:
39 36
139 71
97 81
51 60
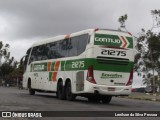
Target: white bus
94 63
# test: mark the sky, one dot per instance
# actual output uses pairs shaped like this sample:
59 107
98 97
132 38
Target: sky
24 22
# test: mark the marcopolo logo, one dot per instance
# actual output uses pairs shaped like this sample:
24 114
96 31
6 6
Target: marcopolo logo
104 76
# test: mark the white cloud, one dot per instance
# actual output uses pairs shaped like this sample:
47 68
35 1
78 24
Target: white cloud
3 25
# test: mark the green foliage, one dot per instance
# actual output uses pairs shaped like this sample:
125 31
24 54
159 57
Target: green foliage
6 69
137 57
148 47
1 45
155 12
122 20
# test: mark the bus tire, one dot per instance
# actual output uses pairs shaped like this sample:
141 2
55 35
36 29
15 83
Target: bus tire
31 91
94 99
69 95
106 99
60 91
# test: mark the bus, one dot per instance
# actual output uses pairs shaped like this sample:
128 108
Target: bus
93 63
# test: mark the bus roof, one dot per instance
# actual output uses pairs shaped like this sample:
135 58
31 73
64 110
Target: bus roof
61 37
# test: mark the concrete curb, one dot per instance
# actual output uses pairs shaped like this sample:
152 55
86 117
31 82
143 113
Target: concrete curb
144 96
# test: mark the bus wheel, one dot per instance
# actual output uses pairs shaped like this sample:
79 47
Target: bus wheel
69 95
94 99
106 99
31 91
60 91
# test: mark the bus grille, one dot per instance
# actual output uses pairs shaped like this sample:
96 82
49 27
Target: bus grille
112 60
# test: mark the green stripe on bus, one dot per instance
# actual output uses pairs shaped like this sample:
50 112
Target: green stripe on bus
83 64
117 66
52 66
50 76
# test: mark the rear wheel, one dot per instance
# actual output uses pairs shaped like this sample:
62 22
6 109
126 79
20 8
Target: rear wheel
60 91
95 99
106 99
69 95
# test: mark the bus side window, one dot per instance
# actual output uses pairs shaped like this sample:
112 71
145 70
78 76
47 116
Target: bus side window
63 48
82 42
43 52
72 51
53 50
24 60
33 55
27 56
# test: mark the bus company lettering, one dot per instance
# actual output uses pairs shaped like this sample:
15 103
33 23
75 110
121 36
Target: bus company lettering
38 67
108 40
104 75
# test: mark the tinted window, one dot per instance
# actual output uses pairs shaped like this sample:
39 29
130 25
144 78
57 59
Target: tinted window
43 52
33 55
72 49
82 42
54 50
65 48
27 56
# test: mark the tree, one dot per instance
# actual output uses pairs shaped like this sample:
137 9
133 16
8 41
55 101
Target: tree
122 21
148 49
6 69
148 53
3 52
8 65
148 56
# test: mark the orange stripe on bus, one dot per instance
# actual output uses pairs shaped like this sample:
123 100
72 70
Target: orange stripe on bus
49 66
57 64
67 36
54 76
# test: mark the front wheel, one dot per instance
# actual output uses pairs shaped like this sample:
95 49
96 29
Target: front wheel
69 95
31 91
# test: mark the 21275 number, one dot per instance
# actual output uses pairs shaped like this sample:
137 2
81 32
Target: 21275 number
113 52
